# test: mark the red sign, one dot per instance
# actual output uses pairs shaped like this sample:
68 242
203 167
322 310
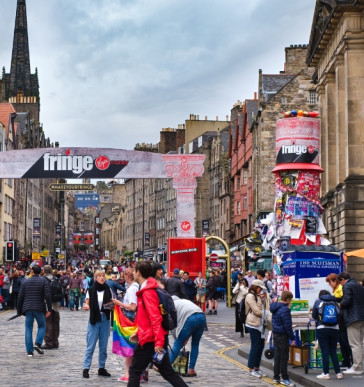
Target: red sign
187 254
102 162
214 257
185 226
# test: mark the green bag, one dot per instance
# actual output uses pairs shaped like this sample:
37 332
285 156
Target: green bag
180 365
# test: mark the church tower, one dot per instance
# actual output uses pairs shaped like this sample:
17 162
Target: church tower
21 86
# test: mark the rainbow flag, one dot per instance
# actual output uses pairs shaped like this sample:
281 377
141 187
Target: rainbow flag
123 328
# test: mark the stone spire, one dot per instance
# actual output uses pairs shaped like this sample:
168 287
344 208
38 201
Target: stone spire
21 79
21 86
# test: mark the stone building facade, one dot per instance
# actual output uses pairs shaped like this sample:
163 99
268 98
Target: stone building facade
32 200
337 52
292 89
220 219
240 154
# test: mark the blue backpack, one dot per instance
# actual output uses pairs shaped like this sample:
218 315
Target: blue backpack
329 312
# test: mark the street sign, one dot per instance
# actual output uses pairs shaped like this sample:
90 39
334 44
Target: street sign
213 257
70 187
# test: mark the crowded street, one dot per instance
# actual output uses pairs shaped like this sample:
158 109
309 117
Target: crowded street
218 363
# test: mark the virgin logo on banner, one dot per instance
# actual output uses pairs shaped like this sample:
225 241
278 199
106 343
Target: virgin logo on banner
185 226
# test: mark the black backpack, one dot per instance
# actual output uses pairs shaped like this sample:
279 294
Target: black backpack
56 290
167 309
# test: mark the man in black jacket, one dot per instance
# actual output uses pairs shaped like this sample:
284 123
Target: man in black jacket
175 286
32 294
352 305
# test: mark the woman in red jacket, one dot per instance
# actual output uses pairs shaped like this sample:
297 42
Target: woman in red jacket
152 338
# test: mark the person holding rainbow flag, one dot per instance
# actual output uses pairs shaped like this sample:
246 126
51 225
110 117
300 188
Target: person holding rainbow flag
124 326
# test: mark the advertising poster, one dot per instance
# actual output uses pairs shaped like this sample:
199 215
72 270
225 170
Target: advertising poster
36 228
310 288
58 232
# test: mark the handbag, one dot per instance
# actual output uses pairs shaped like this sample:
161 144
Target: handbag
233 302
267 320
180 365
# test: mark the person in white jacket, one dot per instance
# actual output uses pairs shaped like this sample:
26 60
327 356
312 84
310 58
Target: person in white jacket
240 290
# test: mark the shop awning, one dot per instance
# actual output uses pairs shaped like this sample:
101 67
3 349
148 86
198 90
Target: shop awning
357 253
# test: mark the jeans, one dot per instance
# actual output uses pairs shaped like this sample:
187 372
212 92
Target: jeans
100 331
256 348
74 299
5 294
281 355
30 315
143 356
328 338
194 326
82 299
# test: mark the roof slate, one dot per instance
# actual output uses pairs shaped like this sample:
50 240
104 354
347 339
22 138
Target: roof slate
5 110
271 83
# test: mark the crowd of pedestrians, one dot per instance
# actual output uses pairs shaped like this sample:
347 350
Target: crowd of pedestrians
39 293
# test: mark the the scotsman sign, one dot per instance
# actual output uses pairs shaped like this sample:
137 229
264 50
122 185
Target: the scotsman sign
96 163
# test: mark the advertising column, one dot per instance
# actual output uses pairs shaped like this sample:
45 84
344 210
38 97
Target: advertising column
297 179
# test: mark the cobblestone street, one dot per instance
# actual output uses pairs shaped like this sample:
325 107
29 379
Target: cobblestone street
218 363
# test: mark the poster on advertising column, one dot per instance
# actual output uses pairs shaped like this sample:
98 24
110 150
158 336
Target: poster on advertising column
36 228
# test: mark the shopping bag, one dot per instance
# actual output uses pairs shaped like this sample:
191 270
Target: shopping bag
180 365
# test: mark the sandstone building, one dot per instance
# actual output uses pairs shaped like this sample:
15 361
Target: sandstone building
336 50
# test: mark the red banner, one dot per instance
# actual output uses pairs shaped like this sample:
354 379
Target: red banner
76 239
88 238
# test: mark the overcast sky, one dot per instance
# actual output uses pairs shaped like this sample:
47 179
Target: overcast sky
113 73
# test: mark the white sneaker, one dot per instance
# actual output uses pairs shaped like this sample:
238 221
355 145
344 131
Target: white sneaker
339 376
255 374
323 376
261 373
351 371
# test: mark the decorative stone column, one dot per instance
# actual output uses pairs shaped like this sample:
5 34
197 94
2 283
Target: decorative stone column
184 169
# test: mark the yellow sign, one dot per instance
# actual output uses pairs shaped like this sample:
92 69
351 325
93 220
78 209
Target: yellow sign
60 256
44 253
35 255
70 187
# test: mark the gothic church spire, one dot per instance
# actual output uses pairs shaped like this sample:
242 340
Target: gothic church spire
20 77
21 86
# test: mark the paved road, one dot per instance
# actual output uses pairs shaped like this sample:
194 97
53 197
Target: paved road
217 365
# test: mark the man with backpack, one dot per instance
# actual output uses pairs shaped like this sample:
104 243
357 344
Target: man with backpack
52 321
352 305
151 337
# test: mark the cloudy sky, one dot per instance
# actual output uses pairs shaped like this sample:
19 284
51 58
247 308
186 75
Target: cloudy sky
113 73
